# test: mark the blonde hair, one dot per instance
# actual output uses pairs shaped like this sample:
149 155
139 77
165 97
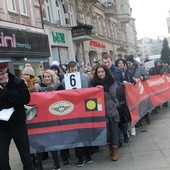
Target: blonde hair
28 82
53 76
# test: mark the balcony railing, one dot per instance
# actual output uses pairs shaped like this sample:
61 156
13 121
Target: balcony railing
93 1
109 8
125 14
82 32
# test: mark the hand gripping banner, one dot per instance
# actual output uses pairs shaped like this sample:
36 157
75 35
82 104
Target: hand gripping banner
146 95
66 119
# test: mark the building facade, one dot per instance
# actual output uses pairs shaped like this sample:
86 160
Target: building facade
42 31
104 26
22 37
58 20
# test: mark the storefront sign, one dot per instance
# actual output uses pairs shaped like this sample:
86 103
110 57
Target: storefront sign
58 37
18 43
97 44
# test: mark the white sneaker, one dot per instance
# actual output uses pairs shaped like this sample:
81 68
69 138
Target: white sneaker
133 131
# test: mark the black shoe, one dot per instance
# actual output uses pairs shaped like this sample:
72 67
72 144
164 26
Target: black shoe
45 156
38 165
165 104
154 111
66 163
148 120
138 124
96 149
126 137
56 167
89 160
81 162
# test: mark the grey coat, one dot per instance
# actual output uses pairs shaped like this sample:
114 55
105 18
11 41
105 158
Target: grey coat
111 103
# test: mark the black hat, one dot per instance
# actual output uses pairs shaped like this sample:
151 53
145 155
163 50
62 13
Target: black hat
55 67
3 66
130 58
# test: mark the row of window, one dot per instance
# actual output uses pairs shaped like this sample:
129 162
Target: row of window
55 12
15 6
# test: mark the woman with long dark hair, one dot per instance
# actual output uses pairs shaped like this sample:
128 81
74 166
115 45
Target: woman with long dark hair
103 79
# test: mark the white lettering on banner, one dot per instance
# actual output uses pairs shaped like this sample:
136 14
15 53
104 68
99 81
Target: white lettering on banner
155 83
72 81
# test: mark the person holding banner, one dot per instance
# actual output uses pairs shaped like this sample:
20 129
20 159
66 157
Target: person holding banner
124 113
159 69
13 94
82 153
117 74
134 72
50 82
103 78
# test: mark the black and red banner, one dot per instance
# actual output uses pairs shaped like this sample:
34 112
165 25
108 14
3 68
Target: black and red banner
67 119
145 95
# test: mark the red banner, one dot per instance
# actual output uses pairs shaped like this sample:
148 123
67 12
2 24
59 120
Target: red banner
145 95
66 119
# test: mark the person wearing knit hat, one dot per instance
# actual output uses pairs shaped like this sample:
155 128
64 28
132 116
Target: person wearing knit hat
56 69
28 71
130 58
55 63
28 65
134 72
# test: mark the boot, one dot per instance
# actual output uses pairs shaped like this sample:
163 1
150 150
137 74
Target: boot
115 154
110 150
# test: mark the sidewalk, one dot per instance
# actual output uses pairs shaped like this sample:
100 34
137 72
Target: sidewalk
148 150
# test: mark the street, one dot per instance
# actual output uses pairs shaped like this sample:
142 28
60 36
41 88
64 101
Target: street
149 150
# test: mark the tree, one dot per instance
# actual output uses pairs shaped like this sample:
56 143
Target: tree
165 52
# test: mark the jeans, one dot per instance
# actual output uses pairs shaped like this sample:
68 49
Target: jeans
55 157
19 134
64 154
113 131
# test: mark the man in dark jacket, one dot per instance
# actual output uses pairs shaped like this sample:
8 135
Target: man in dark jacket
13 94
107 61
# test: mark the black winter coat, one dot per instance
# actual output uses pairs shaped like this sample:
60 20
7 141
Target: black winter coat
15 95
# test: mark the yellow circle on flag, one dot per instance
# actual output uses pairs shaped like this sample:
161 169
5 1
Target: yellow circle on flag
91 104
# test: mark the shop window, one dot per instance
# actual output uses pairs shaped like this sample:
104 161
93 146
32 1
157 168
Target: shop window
64 55
11 4
22 7
60 13
48 10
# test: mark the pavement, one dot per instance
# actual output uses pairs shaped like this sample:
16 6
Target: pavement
148 150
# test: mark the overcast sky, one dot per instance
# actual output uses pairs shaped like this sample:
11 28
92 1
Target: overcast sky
150 17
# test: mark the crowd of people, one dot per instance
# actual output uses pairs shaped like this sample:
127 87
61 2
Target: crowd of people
110 75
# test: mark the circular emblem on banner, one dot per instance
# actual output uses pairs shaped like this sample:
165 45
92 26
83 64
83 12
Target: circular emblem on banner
91 104
141 89
61 108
